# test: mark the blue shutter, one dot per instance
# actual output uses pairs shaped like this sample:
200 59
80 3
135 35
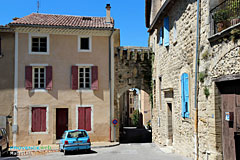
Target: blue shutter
183 96
186 93
166 31
160 36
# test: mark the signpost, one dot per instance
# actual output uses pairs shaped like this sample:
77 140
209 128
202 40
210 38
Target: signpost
114 122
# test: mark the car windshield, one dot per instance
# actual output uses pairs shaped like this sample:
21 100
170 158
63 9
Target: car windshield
77 134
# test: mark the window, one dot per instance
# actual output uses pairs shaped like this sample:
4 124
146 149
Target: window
166 31
160 36
84 77
38 77
185 95
38 44
174 32
84 120
39 119
84 44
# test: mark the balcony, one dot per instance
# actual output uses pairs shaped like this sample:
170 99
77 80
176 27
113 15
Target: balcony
225 15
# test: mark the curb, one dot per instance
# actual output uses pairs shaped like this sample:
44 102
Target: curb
106 146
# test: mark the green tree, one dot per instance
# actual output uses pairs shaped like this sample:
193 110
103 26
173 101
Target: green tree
135 118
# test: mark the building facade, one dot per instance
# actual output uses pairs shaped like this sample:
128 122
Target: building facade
63 77
7 78
205 129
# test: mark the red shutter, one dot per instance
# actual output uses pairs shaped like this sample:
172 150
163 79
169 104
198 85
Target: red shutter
38 119
74 77
49 78
81 118
43 119
88 118
94 78
28 77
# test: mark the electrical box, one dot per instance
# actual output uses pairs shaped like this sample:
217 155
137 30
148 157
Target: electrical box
229 116
14 128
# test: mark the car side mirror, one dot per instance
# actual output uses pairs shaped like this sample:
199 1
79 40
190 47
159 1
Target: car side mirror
1 137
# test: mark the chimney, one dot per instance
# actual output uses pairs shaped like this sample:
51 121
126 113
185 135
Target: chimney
108 8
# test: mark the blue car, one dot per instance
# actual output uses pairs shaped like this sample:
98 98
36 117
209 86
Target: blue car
75 140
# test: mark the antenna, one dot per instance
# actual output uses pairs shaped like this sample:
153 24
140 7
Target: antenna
37 6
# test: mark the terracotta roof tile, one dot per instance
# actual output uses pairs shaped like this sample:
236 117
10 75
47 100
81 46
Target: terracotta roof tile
37 19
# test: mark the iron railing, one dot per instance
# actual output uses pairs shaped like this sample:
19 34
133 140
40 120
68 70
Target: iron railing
225 14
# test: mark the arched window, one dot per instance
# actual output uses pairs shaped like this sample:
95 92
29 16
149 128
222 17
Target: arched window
185 95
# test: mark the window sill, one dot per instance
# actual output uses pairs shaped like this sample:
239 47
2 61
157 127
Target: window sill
84 90
83 50
39 53
39 90
30 132
225 32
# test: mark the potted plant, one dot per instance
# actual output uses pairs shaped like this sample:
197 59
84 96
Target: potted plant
221 19
234 8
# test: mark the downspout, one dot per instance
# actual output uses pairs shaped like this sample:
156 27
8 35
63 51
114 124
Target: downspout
196 86
15 91
110 84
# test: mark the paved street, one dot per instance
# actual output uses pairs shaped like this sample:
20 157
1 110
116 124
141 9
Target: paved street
133 151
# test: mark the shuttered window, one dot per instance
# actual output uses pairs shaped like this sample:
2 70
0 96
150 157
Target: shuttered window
38 77
85 77
160 36
166 31
185 95
39 119
84 118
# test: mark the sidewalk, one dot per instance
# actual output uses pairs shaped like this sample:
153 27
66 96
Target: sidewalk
44 149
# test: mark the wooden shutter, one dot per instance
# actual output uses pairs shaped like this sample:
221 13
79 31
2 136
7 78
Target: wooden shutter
88 118
49 78
74 77
28 77
84 118
186 94
39 119
43 119
166 31
81 118
183 96
160 36
94 85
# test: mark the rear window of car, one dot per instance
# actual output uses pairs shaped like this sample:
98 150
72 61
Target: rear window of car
77 134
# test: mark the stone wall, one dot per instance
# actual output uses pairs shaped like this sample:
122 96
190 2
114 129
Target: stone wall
170 62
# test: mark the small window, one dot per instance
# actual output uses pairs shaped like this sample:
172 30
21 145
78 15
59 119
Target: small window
39 77
84 78
38 44
84 44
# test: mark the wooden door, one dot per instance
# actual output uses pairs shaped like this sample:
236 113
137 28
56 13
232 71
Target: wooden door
230 95
61 121
170 128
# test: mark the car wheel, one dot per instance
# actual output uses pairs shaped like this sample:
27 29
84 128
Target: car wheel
65 152
88 150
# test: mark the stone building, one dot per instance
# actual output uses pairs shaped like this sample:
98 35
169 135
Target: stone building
209 128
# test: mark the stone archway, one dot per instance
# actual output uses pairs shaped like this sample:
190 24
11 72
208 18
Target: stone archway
133 69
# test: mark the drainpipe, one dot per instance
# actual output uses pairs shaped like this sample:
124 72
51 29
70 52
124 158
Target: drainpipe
15 91
196 86
110 84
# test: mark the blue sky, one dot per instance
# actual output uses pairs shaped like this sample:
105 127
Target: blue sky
129 15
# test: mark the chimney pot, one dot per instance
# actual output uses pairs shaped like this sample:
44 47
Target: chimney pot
108 8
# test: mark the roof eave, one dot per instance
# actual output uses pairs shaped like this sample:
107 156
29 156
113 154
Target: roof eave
67 27
161 12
